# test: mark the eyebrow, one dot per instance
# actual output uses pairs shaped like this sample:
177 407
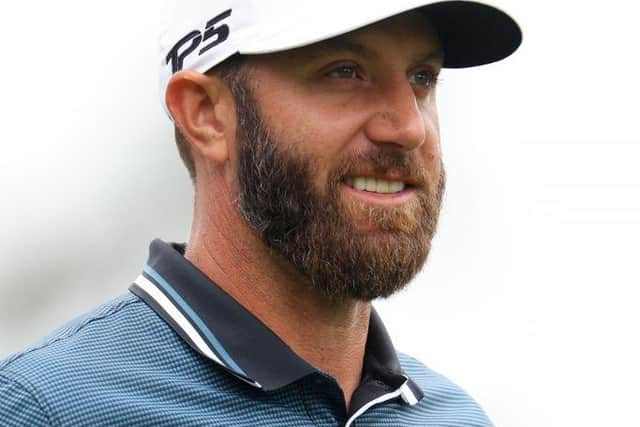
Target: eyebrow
345 45
436 55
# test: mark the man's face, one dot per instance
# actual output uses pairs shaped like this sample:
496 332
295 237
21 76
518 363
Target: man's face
339 166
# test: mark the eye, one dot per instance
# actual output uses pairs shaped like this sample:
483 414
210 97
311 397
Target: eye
423 78
343 72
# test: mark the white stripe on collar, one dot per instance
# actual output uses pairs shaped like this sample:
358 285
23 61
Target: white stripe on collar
175 314
404 391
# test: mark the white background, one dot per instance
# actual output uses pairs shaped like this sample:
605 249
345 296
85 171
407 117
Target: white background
530 299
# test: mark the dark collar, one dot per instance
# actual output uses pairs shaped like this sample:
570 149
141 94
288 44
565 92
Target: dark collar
219 328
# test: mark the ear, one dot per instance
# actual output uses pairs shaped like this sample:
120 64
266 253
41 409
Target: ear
202 107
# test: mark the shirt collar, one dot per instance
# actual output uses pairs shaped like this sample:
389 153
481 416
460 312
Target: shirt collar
219 328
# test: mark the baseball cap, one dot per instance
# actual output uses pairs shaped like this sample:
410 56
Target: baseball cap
206 32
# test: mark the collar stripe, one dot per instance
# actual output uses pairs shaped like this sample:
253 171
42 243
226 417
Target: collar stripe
153 292
182 304
408 396
404 391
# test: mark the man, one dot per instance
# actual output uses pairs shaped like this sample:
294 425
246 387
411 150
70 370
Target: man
311 134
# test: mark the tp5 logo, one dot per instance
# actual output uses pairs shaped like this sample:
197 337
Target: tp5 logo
188 44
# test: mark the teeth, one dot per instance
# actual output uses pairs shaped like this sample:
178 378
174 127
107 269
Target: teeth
396 187
375 185
360 184
372 185
383 187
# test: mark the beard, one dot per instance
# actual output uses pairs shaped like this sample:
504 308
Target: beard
316 231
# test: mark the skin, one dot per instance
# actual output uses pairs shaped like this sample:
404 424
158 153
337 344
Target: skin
365 89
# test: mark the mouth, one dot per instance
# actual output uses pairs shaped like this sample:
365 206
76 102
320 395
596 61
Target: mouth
379 191
376 185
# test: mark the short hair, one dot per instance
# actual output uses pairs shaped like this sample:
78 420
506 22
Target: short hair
228 71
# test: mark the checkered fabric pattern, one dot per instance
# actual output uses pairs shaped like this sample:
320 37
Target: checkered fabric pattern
121 365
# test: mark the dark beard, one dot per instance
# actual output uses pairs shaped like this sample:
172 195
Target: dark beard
316 232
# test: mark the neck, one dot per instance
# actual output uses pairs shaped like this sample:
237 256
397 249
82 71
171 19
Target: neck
330 336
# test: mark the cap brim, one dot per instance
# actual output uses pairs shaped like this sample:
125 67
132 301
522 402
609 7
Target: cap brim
473 33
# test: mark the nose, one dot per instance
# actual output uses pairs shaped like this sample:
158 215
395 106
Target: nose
396 117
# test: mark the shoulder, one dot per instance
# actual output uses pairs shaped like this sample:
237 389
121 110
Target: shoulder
442 398
94 329
77 367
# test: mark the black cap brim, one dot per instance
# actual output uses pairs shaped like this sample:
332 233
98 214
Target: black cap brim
473 33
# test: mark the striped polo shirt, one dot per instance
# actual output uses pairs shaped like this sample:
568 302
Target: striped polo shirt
179 351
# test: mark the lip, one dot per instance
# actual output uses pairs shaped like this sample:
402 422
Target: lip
394 199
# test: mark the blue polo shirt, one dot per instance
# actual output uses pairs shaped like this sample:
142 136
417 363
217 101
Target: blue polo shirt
178 351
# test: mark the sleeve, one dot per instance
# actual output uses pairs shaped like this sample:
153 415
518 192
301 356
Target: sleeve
18 407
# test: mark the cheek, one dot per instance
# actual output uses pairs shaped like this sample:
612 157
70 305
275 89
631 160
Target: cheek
321 136
304 135
431 147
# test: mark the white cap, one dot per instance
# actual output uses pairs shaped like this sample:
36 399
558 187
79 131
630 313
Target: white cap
210 31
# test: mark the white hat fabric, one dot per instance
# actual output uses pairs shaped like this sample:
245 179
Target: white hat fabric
210 31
